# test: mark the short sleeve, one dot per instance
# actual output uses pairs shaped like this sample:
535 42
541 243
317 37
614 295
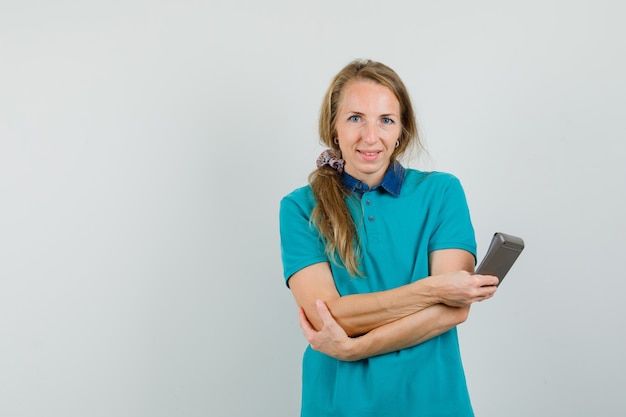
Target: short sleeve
453 228
300 242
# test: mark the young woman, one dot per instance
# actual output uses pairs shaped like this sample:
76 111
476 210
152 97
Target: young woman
379 259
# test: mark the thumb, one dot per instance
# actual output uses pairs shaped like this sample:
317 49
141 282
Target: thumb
322 310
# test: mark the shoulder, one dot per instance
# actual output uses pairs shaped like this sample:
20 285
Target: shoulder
430 179
299 198
303 193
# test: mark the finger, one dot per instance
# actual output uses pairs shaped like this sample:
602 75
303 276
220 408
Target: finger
489 292
322 310
305 324
489 280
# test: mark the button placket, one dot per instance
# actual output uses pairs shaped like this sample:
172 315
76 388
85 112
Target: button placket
370 223
368 209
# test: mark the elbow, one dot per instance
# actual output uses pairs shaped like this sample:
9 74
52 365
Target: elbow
313 317
352 328
354 331
351 325
463 314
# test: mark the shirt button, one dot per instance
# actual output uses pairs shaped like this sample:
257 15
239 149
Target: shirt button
368 202
359 186
371 218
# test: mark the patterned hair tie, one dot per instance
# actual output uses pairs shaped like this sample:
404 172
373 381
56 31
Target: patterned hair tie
328 158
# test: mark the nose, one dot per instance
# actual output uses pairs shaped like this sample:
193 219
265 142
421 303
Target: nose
370 132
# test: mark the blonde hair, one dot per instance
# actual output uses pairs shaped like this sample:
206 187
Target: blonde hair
331 214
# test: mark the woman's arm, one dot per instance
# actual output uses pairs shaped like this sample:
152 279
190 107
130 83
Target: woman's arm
405 332
450 283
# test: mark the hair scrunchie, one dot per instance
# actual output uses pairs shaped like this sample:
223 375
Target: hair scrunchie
328 157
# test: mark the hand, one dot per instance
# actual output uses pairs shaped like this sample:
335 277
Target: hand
331 339
460 289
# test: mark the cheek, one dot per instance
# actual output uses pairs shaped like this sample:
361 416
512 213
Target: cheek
341 131
392 135
346 136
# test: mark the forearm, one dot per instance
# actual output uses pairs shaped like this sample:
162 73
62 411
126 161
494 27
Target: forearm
361 313
451 283
407 332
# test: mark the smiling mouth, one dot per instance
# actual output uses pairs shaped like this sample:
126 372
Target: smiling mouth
369 153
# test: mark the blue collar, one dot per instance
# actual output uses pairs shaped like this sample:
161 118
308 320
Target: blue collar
392 181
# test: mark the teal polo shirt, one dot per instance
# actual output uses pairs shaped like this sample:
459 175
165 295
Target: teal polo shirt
399 222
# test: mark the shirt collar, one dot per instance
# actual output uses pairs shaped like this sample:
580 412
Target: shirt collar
392 181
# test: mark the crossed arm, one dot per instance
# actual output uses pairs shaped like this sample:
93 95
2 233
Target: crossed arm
358 326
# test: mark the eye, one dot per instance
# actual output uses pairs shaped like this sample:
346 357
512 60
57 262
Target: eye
354 118
387 121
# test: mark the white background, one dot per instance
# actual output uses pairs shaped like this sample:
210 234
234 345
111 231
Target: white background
145 145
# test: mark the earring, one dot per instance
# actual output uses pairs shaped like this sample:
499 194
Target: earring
336 141
397 143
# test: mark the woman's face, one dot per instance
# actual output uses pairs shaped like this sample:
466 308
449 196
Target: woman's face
368 127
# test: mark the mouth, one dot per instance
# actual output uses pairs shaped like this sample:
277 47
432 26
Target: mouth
369 155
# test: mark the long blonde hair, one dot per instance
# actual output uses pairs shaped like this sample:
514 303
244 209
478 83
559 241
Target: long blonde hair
331 214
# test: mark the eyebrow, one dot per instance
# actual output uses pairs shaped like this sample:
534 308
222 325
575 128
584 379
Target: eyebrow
358 113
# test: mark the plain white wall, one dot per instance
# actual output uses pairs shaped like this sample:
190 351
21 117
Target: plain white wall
145 145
